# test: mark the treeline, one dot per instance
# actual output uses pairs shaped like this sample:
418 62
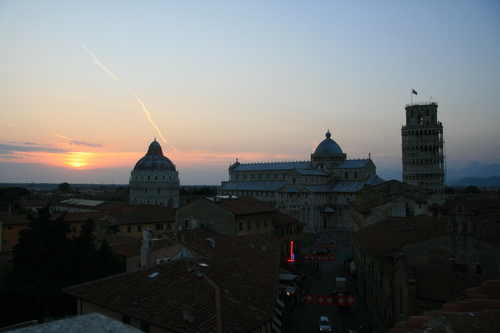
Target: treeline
203 190
45 261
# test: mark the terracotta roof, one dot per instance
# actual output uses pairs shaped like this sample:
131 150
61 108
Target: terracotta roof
133 249
387 237
145 215
244 205
9 218
99 205
470 315
89 323
443 286
366 206
33 202
236 291
113 239
489 289
475 205
190 235
283 219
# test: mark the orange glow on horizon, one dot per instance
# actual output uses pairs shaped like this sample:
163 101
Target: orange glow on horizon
194 159
78 160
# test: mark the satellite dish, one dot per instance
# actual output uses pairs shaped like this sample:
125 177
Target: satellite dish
180 227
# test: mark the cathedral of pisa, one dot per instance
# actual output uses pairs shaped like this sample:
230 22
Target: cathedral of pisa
316 192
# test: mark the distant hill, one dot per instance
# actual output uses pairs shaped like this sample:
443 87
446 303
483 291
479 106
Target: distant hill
479 182
475 173
473 170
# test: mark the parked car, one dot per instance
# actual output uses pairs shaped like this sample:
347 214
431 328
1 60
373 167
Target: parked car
324 324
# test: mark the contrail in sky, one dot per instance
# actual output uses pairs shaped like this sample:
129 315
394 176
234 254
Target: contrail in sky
6 123
148 115
62 136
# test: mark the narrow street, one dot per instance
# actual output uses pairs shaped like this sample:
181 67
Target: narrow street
303 317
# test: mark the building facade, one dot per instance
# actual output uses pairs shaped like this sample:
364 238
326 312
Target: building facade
315 192
390 199
241 216
414 264
423 149
154 179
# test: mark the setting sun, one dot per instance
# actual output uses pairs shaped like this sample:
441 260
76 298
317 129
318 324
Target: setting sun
79 160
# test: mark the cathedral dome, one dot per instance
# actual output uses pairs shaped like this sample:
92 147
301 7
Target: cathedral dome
154 160
328 146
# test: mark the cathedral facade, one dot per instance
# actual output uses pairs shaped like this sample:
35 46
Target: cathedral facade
154 179
316 192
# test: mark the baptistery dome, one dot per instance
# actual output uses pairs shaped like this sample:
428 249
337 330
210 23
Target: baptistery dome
154 179
328 146
154 160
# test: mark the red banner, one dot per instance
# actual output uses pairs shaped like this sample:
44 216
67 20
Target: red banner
341 300
330 300
321 300
318 257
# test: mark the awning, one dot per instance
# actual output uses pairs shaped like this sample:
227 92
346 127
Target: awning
352 267
287 277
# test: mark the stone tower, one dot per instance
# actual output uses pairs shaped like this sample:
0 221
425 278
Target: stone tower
154 179
423 149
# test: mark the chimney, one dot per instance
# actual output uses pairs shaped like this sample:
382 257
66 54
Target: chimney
190 266
188 314
211 241
145 248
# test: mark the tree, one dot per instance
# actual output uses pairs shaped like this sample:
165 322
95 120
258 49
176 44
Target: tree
12 194
64 187
472 189
45 261
40 267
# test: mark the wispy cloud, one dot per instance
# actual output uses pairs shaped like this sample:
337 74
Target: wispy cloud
78 143
85 144
6 123
26 147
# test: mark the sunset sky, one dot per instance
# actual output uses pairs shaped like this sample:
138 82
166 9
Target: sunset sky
86 86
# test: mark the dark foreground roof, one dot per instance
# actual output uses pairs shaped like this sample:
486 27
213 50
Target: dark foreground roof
234 291
385 238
